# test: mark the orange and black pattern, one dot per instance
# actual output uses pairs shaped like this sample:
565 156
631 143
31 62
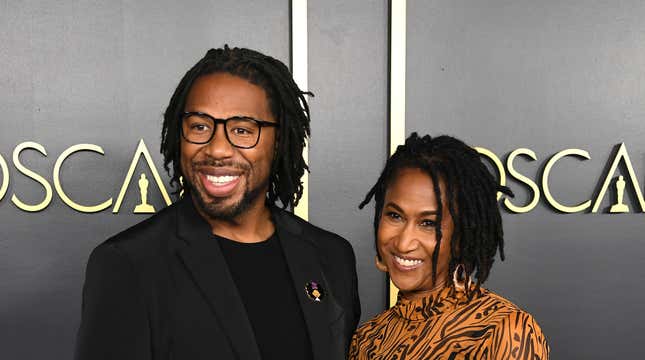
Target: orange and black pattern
449 325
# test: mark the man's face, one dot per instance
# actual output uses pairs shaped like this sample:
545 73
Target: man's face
225 180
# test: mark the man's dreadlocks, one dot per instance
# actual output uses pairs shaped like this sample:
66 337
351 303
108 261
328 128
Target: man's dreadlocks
287 102
470 194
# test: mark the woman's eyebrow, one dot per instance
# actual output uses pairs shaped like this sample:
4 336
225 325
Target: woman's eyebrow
395 206
423 213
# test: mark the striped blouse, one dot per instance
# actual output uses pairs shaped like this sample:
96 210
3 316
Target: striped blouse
449 325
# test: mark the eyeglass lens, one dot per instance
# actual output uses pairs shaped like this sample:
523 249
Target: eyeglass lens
240 131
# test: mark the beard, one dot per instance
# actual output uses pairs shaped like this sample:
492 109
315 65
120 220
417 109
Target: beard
215 209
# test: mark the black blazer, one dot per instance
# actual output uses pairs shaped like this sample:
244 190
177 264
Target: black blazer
162 290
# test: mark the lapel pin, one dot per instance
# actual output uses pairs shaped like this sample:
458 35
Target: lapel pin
314 291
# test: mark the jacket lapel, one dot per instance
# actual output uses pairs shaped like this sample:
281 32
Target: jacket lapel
203 258
305 267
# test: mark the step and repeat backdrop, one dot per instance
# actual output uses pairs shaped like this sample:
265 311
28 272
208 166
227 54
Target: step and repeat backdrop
554 89
551 92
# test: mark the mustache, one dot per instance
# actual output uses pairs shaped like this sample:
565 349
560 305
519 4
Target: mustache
220 163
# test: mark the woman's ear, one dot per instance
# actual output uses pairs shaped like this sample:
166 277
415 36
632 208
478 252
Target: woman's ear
379 264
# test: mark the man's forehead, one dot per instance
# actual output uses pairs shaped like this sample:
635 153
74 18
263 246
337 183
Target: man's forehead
223 95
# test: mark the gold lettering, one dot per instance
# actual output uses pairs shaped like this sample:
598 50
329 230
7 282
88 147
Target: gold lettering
141 150
48 188
621 154
545 181
521 178
5 177
498 164
59 188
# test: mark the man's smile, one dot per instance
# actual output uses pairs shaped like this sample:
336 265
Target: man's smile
221 180
219 186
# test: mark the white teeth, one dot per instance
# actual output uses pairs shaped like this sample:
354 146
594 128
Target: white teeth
219 180
406 262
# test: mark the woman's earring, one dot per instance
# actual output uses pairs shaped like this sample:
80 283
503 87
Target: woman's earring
460 278
380 265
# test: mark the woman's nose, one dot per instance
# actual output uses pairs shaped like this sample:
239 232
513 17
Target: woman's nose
407 240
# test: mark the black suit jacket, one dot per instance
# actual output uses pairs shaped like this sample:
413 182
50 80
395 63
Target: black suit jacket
162 290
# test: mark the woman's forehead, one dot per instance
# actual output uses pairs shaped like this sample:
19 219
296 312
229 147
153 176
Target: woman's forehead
412 187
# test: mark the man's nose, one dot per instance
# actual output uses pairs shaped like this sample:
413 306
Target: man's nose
219 147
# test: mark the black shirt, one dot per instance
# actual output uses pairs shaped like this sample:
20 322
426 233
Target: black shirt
263 280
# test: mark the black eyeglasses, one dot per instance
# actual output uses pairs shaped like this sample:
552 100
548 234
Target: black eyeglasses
241 131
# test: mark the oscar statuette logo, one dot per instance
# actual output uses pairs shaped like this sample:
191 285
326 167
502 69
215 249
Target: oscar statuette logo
619 206
144 207
621 155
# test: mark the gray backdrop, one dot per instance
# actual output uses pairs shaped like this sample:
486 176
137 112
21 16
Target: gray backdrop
499 74
547 75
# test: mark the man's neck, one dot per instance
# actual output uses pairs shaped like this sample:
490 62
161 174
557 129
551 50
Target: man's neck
254 225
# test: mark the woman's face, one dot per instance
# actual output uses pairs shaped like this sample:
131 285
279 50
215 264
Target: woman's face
407 232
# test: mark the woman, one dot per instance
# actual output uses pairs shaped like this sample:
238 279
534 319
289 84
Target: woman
437 227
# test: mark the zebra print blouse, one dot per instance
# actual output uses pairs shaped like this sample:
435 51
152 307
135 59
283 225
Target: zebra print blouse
449 325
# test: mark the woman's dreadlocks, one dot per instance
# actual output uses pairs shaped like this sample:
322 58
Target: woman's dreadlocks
470 195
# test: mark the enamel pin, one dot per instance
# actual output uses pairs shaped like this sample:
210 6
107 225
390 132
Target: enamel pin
314 291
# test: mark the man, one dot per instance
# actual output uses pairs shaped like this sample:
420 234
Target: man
224 273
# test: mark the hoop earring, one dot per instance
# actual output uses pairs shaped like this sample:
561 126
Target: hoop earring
380 265
461 284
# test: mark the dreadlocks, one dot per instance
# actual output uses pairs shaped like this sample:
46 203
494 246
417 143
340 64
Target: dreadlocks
287 102
470 195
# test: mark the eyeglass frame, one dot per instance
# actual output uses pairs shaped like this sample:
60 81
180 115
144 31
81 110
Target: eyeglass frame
258 122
